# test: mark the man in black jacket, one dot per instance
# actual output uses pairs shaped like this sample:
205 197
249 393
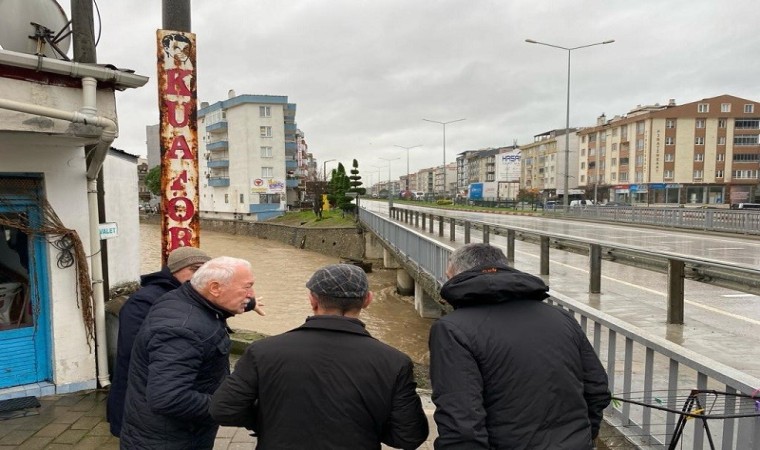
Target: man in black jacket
180 266
180 357
327 384
508 370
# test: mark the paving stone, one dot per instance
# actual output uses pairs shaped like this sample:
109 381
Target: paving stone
52 430
70 437
92 443
226 432
86 423
27 423
85 405
222 443
59 447
101 429
69 400
36 443
239 446
68 417
16 437
243 435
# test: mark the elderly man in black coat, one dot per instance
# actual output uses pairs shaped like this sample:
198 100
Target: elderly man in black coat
508 370
180 267
180 357
327 384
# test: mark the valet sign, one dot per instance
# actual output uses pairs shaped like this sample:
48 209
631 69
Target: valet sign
177 95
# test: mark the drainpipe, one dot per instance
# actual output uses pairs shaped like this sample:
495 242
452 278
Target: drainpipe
86 115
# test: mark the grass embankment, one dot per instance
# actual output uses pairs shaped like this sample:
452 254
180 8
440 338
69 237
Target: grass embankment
456 207
330 219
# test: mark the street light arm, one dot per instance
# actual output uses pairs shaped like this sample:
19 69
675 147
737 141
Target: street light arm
531 41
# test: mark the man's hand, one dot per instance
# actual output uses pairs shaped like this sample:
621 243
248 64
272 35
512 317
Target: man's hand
257 306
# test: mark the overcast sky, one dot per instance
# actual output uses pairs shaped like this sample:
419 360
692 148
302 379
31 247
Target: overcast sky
365 73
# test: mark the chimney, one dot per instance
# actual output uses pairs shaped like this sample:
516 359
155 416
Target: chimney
601 119
204 105
231 93
672 102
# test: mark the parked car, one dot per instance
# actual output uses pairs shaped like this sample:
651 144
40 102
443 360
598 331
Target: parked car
617 204
581 203
550 204
745 206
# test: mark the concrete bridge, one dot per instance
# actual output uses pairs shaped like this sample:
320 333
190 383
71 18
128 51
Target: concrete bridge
649 374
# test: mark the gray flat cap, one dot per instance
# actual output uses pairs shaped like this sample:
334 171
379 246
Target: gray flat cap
339 280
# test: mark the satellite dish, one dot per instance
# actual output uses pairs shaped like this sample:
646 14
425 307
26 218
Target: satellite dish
17 32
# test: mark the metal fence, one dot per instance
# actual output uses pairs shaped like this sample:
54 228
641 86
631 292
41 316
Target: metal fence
647 373
723 220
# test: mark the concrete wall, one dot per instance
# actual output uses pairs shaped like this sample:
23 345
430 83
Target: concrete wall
120 178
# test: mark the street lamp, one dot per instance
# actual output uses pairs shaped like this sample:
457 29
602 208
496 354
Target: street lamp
390 186
407 161
444 147
566 196
324 168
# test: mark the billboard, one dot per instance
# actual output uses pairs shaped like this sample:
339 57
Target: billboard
508 166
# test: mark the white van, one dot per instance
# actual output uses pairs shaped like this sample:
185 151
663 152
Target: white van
419 195
581 203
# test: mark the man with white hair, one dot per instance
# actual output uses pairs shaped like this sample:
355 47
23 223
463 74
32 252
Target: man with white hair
180 357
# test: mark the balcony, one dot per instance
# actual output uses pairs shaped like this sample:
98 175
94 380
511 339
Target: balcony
219 181
218 145
216 163
292 183
291 146
217 127
291 165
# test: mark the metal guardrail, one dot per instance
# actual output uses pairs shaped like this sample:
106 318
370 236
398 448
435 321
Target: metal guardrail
677 266
723 220
651 366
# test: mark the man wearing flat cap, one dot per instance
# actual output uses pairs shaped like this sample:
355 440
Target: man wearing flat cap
327 384
180 266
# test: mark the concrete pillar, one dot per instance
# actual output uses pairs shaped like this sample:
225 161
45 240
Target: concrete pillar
511 248
404 282
389 261
425 305
676 270
373 249
486 234
467 226
424 221
452 229
544 255
595 268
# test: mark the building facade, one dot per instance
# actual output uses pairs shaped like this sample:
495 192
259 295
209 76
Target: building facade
703 152
543 163
247 152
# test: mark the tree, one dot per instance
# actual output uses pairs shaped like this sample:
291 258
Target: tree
337 187
153 181
356 180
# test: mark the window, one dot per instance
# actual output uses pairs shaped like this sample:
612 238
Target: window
718 174
614 132
745 139
583 165
749 108
265 111
583 152
640 160
669 157
722 123
613 162
703 107
670 123
699 140
266 132
613 176
583 178
750 174
725 107
639 144
698 174
583 138
266 152
603 137
592 152
745 157
592 137
639 177
242 198
669 140
623 132
700 123
720 157
623 161
668 174
226 198
721 140
699 156
623 176
745 124
267 172
640 127
614 147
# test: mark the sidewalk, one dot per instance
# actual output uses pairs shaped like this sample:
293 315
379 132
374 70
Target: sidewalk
78 421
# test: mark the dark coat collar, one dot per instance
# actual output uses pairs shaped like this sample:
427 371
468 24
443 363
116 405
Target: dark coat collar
194 296
492 284
335 323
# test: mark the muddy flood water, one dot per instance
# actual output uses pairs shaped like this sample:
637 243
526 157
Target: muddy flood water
281 273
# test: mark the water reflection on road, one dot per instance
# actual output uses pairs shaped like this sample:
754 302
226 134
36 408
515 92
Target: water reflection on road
281 272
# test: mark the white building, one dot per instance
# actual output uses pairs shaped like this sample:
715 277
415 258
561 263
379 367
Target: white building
247 145
51 332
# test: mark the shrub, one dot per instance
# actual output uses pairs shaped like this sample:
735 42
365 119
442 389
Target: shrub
444 202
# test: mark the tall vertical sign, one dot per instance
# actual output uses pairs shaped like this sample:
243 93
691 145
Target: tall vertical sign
177 98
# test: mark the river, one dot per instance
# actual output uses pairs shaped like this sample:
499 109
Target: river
281 272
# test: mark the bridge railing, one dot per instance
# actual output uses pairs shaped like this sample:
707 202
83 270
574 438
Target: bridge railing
638 363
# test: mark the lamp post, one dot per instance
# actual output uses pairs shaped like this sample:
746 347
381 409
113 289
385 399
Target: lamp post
324 168
566 196
407 161
444 147
390 186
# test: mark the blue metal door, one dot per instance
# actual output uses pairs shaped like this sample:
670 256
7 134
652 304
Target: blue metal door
24 306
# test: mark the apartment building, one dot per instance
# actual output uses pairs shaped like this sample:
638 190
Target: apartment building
248 156
543 163
703 152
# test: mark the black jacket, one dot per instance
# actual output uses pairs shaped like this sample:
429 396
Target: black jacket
325 385
131 316
510 371
179 358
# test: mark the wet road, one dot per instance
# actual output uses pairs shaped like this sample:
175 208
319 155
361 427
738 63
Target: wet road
281 272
